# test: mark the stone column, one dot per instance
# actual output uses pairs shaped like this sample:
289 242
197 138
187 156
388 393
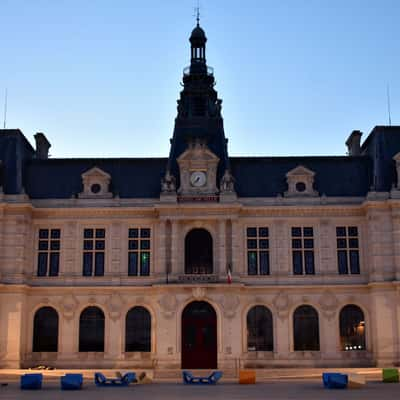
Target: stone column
282 336
113 337
68 337
221 254
115 270
396 243
379 249
160 266
12 329
176 256
328 335
384 326
282 242
71 265
327 241
238 267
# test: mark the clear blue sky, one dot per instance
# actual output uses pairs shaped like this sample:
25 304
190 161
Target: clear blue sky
101 78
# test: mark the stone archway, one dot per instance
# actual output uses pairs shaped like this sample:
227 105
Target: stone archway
198 252
199 336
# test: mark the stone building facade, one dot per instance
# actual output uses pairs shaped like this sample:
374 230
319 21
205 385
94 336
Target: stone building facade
200 260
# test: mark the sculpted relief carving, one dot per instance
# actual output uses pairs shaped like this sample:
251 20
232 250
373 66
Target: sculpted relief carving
230 304
115 304
69 304
282 304
168 304
329 304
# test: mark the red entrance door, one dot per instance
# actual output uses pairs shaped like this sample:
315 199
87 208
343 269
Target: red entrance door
199 336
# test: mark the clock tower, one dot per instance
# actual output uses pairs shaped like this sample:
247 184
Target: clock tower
198 157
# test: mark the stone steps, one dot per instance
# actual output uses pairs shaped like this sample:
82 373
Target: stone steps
176 374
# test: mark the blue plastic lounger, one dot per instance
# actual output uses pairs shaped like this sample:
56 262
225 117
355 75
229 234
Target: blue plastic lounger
334 380
31 381
71 382
101 380
211 379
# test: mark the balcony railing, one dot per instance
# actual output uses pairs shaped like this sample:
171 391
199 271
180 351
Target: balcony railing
210 71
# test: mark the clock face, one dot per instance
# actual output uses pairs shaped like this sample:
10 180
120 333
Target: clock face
198 178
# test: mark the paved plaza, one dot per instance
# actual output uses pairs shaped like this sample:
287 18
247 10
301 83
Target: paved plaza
304 389
302 385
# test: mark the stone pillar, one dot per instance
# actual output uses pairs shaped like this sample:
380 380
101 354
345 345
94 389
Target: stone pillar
12 329
384 326
282 336
327 241
238 267
114 270
113 337
379 248
328 335
68 337
70 238
160 249
396 243
176 255
221 254
281 249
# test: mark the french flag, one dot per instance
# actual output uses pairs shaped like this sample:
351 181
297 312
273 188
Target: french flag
229 274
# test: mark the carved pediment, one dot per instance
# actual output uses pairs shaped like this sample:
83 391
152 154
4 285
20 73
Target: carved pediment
300 181
96 183
198 170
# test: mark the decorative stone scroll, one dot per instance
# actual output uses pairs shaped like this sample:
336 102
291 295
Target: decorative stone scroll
115 303
329 304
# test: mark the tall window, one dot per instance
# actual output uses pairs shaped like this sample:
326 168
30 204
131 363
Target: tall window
306 329
48 252
45 330
259 329
352 328
94 245
303 250
139 246
348 250
91 330
138 330
257 251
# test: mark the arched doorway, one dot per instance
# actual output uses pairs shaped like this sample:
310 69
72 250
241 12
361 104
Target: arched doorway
91 330
352 328
306 329
199 336
198 252
45 330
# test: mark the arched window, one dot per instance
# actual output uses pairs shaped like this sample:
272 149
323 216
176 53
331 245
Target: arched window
91 330
352 328
45 330
259 329
306 329
198 252
138 330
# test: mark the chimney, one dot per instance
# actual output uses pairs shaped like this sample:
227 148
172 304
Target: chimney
353 143
42 146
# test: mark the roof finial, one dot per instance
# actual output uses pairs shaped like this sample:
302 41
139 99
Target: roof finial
197 10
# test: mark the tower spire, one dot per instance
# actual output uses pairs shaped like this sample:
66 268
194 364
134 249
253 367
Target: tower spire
197 10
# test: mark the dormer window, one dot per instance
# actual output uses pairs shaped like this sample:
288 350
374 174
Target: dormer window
96 184
300 181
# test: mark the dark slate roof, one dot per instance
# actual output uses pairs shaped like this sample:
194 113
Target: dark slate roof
255 176
61 178
335 176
